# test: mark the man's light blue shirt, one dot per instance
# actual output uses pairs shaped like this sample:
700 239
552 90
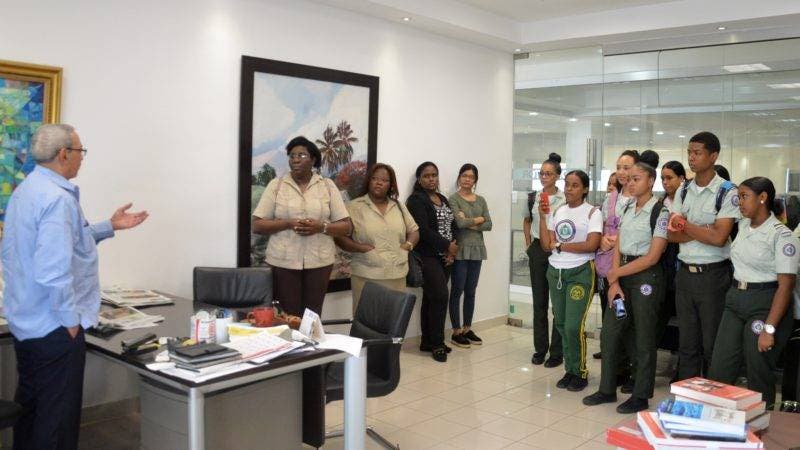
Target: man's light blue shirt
49 257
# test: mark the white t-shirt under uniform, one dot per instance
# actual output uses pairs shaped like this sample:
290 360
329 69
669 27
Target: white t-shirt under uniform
573 225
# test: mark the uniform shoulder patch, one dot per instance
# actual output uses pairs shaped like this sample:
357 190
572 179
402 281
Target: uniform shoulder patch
789 250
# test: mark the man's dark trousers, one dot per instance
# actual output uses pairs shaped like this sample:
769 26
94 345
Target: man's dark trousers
50 390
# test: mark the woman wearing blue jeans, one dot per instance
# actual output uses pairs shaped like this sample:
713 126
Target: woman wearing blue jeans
472 219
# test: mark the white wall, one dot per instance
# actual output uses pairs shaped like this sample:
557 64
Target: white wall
153 89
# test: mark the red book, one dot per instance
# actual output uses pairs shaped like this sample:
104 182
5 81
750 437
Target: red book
716 393
659 438
627 435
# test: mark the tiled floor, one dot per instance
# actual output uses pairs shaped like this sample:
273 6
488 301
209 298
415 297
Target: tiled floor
489 397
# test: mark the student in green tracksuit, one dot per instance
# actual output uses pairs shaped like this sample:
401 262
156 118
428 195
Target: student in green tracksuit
636 276
756 322
573 237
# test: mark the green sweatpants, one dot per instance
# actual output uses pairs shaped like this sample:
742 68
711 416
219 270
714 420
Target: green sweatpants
571 292
644 293
736 337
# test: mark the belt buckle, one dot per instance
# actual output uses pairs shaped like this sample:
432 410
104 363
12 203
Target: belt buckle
694 269
741 285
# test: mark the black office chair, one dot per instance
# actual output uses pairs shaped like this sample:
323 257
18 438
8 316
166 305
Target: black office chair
9 413
381 320
240 287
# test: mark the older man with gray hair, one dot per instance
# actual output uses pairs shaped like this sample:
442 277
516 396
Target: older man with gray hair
52 292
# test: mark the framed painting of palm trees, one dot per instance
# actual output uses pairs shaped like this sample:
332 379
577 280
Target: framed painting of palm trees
336 110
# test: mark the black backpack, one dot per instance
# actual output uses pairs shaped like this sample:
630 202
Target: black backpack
531 201
726 187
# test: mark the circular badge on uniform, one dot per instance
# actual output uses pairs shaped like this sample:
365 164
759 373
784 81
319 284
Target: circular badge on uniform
662 223
757 326
735 201
646 289
789 250
565 229
577 292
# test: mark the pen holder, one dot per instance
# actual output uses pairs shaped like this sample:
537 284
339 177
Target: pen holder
222 329
203 327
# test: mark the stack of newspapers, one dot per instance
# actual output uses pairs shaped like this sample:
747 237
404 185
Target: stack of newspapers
118 296
700 413
128 318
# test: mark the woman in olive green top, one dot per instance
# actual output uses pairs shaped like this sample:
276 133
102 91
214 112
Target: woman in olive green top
383 234
472 219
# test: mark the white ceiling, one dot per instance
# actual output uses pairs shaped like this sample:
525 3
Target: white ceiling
533 10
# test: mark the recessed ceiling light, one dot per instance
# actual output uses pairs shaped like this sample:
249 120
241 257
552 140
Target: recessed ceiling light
635 129
406 19
533 113
681 136
659 133
784 86
772 146
517 50
721 28
606 124
746 68
573 119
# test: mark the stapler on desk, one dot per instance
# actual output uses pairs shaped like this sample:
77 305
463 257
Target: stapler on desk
141 344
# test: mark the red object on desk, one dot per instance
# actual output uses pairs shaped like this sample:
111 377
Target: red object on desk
261 316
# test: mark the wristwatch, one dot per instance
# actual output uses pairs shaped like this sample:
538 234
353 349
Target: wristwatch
558 247
325 227
770 329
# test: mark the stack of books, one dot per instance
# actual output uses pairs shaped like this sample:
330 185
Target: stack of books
204 358
700 413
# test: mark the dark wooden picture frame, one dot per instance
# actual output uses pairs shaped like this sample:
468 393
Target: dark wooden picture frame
251 66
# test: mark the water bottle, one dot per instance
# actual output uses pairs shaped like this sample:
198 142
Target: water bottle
619 307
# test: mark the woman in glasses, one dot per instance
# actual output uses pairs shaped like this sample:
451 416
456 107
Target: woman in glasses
301 212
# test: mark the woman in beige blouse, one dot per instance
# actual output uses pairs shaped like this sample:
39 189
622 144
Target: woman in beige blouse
301 212
383 234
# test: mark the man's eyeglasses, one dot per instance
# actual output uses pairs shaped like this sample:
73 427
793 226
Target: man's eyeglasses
82 150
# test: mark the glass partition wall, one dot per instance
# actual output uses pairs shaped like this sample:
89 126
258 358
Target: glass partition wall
589 107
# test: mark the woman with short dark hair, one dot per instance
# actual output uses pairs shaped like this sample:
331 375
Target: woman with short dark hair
437 248
301 212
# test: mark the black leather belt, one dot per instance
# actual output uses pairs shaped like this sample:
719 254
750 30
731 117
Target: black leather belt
700 268
745 286
625 259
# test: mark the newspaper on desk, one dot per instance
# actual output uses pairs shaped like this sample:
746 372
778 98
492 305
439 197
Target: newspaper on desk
127 318
119 296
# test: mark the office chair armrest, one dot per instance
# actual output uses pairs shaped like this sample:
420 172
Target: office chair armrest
381 341
337 322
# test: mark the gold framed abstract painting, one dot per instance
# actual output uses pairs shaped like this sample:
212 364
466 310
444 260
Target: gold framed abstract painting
30 95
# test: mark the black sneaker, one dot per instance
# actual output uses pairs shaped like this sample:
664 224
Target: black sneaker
632 405
429 348
627 388
460 340
577 384
598 398
564 381
598 355
553 362
440 354
537 359
473 337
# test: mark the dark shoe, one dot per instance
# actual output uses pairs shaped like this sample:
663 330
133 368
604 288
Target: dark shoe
627 388
598 355
632 405
564 382
440 354
429 348
553 362
473 337
460 340
598 398
448 349
577 384
537 359
623 379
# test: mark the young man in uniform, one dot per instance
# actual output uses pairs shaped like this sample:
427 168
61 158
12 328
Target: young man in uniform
701 223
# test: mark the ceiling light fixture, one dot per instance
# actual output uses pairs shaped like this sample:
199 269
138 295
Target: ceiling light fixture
722 28
606 124
406 19
533 113
784 86
573 119
739 68
517 50
635 129
681 136
659 133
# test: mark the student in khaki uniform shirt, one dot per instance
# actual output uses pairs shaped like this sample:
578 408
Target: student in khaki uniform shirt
757 319
704 275
383 234
301 212
532 226
637 276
